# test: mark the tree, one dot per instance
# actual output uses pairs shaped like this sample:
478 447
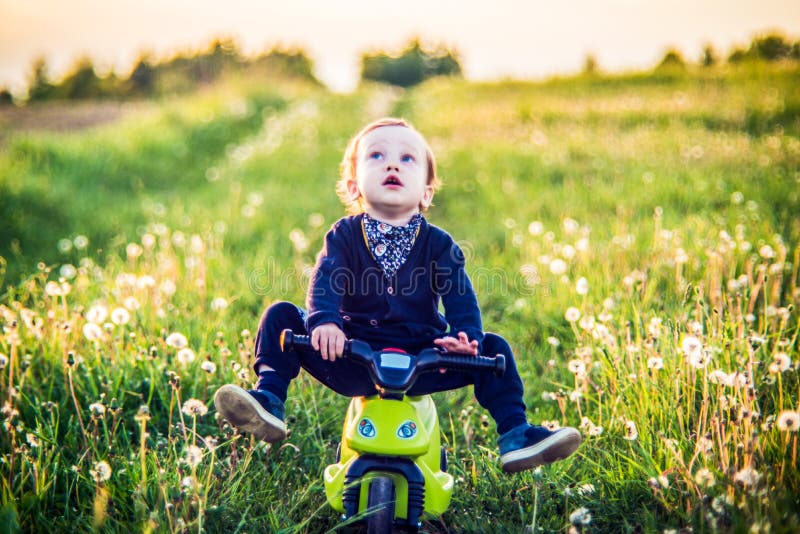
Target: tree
6 98
143 77
590 65
39 86
709 57
771 47
412 66
82 82
672 60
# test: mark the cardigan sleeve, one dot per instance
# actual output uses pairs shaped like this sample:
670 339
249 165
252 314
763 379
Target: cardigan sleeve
455 288
329 280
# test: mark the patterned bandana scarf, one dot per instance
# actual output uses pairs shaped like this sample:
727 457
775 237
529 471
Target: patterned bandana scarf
390 245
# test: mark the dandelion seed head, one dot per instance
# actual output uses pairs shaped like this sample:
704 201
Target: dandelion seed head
788 421
631 432
654 327
218 304
558 266
535 228
551 425
572 314
185 356
92 332
167 288
120 316
747 477
782 362
209 367
97 409
177 340
577 367
581 516
193 455
101 471
704 478
194 408
553 341
655 363
97 314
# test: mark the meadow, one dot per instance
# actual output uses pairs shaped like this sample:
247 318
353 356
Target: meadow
635 237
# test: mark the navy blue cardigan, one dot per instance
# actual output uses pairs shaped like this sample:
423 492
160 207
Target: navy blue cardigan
348 288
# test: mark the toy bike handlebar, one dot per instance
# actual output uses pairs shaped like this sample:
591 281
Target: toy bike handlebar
395 372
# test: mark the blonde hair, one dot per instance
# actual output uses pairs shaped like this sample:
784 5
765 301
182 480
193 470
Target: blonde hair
347 168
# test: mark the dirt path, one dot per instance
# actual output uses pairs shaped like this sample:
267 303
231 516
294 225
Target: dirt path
60 116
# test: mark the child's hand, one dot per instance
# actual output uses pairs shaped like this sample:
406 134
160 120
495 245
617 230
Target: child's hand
329 340
461 345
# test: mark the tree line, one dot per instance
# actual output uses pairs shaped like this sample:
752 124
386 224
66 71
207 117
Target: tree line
412 65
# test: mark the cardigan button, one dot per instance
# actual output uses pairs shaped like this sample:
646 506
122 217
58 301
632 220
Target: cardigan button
346 317
373 322
390 290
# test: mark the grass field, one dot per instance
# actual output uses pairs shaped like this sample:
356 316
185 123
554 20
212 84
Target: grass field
634 237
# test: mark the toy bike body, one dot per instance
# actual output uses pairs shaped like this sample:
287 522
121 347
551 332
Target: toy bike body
391 467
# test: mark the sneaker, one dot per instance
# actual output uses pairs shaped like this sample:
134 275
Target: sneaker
256 412
528 446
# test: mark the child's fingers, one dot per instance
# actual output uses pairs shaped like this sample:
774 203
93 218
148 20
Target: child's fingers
340 345
315 339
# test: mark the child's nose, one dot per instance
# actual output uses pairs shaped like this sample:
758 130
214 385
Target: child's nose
392 167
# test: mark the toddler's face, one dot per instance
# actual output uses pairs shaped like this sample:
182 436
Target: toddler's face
392 173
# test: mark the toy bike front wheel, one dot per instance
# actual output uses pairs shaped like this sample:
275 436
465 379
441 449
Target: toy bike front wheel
381 506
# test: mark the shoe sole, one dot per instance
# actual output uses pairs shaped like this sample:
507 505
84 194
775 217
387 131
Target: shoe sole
556 447
244 412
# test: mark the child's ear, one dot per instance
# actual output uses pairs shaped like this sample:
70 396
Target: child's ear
352 190
427 197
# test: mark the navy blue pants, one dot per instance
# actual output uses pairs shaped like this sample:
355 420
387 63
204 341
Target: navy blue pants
501 396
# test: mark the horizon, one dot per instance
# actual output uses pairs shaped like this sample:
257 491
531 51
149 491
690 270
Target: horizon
505 42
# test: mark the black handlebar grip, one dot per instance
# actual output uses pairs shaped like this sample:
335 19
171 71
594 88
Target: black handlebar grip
291 341
475 363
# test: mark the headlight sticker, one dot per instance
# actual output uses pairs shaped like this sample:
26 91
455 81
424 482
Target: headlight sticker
366 428
407 430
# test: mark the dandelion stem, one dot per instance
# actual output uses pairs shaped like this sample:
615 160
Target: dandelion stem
77 408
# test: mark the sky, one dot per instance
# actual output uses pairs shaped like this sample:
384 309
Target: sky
494 38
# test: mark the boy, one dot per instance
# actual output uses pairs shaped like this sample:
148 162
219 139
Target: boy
379 278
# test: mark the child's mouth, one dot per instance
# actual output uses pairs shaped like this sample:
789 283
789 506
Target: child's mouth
392 181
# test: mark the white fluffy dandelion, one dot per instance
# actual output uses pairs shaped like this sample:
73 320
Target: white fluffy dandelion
97 314
92 332
218 304
101 471
185 356
747 477
581 516
704 478
572 314
577 367
558 267
655 363
631 432
193 455
177 340
120 316
194 408
788 420
209 367
781 363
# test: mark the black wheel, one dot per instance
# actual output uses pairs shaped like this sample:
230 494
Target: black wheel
381 506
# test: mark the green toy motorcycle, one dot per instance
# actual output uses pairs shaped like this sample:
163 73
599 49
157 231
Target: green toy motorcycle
390 466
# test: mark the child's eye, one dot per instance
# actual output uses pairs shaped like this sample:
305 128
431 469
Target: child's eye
407 158
376 155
